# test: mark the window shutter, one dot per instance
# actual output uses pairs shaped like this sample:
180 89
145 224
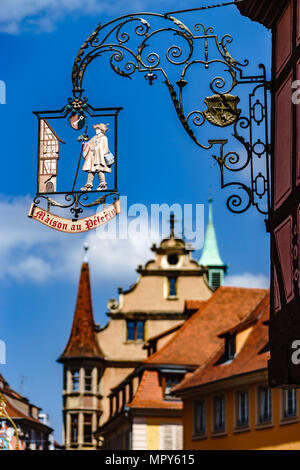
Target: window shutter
178 437
168 437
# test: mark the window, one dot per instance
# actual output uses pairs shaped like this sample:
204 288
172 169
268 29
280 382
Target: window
290 403
199 417
170 382
219 413
50 187
87 428
242 409
230 345
88 380
75 380
170 437
135 330
215 279
74 429
49 166
265 405
172 286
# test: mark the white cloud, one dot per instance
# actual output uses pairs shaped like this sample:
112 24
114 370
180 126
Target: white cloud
247 280
42 15
30 251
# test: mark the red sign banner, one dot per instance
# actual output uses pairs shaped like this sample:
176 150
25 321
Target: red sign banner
78 226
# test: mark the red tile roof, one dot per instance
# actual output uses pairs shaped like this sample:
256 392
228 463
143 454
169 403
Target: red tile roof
197 339
13 410
251 358
150 394
5 388
15 413
82 341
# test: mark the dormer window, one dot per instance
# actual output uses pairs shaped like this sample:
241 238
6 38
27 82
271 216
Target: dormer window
168 382
230 347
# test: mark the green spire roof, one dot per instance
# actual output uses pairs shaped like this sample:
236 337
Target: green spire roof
210 254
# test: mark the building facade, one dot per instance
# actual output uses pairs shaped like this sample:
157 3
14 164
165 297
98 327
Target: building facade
98 359
282 17
228 404
143 413
34 434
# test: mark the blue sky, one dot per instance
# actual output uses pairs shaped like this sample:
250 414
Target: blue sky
159 163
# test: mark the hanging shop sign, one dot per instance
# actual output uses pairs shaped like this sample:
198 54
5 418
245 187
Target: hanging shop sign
76 172
74 226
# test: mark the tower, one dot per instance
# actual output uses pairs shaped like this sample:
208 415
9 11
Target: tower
83 360
210 257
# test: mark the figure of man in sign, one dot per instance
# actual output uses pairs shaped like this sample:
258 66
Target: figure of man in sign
94 152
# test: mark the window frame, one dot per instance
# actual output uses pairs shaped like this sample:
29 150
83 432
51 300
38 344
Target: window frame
197 432
164 378
85 424
239 423
217 429
135 330
213 275
72 426
175 279
90 379
261 421
285 416
73 372
230 343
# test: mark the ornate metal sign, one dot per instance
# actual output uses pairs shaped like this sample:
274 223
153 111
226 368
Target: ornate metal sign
73 170
133 42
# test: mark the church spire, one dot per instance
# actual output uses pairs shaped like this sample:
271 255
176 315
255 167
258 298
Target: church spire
210 256
82 342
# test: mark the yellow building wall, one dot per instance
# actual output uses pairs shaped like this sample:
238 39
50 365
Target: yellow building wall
279 435
153 430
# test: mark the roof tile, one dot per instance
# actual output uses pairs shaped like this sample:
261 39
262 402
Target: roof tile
251 358
82 341
198 338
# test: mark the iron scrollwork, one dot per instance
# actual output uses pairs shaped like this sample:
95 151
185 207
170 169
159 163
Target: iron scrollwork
126 41
256 152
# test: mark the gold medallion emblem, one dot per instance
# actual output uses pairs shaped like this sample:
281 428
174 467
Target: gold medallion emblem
222 109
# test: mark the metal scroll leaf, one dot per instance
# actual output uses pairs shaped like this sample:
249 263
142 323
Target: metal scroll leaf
74 201
115 36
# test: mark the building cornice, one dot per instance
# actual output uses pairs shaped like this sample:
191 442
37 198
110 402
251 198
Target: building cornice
154 315
171 272
265 12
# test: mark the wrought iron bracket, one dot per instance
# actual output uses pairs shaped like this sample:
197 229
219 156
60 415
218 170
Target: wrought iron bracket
127 43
